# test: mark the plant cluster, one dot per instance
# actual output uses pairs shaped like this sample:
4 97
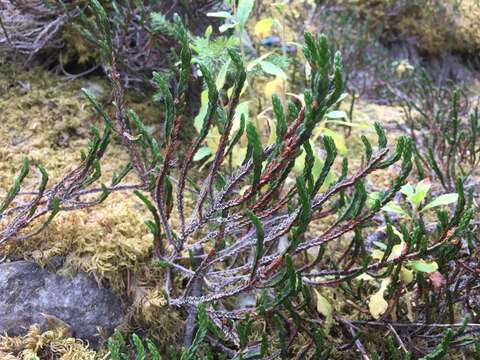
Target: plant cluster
238 257
445 128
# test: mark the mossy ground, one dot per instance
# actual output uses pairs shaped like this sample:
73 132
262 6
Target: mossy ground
436 27
47 120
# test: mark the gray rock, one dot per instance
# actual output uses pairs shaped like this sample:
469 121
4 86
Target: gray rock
27 292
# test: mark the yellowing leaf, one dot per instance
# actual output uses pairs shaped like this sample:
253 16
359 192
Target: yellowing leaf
213 139
325 308
275 86
263 28
409 296
238 155
365 277
298 97
377 304
397 251
208 31
406 275
377 254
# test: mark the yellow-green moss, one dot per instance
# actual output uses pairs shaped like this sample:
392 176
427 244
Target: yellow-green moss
438 27
47 120
52 344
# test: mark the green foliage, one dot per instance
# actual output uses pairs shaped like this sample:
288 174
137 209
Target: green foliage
247 230
117 347
190 353
14 190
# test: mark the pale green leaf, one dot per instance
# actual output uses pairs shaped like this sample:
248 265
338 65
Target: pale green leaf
445 199
336 114
220 14
325 308
348 123
257 61
373 197
423 266
273 69
242 109
407 190
226 27
202 153
198 121
421 191
394 208
243 12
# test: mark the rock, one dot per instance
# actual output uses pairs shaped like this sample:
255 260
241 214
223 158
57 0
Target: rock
30 294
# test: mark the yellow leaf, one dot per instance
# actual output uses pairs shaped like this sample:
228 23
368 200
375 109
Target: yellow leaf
397 251
406 275
275 86
325 308
238 155
263 28
377 254
213 139
365 277
377 304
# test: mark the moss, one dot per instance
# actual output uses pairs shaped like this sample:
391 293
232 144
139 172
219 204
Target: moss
52 344
150 311
108 241
77 49
48 121
452 26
